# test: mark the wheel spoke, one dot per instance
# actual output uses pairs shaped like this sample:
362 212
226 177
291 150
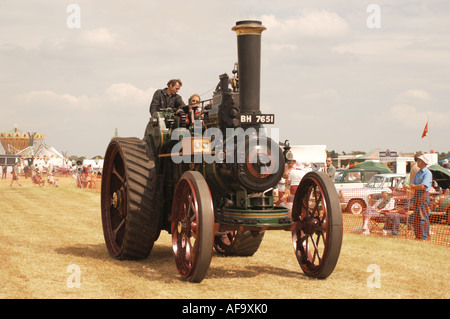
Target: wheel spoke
118 228
316 253
116 173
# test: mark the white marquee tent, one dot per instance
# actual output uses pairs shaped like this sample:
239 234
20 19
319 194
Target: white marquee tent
44 155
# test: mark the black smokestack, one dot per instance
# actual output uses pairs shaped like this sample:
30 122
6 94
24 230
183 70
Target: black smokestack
249 62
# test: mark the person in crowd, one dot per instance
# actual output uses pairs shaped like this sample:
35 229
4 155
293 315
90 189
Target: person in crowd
4 170
167 98
51 180
37 178
280 189
393 219
445 164
421 185
84 176
15 175
385 203
307 167
330 169
295 176
414 168
284 185
92 184
316 167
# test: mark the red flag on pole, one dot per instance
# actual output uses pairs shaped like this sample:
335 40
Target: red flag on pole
425 131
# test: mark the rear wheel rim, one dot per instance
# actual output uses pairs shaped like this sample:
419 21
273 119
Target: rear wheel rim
115 183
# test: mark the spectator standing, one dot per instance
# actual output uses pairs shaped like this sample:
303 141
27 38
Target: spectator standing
331 170
414 168
15 175
421 186
295 176
4 170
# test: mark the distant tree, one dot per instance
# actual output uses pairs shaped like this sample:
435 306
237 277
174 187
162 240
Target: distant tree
332 154
76 158
357 153
443 155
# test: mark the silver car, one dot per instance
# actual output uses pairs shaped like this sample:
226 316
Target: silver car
355 200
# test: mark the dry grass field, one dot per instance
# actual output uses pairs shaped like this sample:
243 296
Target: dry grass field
45 230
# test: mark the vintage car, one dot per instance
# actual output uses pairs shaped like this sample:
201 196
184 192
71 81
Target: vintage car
440 208
359 175
355 200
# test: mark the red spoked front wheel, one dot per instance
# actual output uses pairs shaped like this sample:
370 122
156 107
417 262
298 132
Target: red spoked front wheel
192 226
317 244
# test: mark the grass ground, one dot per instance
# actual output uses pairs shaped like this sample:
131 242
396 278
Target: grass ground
43 231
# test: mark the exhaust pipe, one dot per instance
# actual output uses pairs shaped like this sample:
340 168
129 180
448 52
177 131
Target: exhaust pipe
249 64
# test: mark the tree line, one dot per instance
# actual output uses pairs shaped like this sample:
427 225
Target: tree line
334 154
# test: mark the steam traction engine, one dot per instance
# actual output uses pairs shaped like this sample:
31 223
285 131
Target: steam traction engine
215 190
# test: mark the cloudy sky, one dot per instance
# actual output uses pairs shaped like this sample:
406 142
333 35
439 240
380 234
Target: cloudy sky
347 74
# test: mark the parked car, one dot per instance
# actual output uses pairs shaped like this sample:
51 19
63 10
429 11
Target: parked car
358 176
440 207
355 200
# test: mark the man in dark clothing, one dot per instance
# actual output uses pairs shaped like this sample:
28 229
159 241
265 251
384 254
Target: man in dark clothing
4 169
167 98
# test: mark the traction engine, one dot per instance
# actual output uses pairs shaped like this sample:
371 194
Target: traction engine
209 182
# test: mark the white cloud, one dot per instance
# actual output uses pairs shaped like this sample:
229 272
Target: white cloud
52 104
412 117
49 101
126 92
416 95
373 46
412 108
82 123
324 95
97 36
312 23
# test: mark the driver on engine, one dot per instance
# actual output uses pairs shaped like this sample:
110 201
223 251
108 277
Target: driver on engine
168 97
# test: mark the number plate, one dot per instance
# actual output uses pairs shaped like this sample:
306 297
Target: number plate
257 118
